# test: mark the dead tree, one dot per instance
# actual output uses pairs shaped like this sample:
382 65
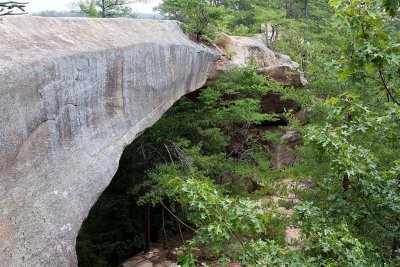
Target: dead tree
12 8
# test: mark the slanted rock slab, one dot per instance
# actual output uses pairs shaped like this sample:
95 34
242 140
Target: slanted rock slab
74 92
239 51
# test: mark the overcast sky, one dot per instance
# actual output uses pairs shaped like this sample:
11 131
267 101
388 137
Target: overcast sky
40 5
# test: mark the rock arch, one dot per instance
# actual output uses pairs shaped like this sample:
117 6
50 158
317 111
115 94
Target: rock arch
74 92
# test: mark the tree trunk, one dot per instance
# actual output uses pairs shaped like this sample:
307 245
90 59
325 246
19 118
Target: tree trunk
395 246
271 39
103 9
346 182
148 227
306 9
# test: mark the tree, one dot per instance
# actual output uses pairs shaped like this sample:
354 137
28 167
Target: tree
359 140
54 13
374 52
362 180
9 7
106 8
198 16
209 139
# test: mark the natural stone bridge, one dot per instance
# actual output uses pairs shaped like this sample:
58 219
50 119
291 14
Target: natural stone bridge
73 94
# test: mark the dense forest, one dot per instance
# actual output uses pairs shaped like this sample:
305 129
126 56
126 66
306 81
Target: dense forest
206 166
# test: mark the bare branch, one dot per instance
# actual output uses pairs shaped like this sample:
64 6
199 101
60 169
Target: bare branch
386 87
176 217
8 8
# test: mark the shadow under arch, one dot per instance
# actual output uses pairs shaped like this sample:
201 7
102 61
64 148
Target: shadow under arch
115 228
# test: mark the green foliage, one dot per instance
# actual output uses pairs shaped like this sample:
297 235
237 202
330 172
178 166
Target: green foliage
330 244
235 99
373 52
218 219
105 8
228 227
362 182
54 13
197 16
213 143
359 144
268 253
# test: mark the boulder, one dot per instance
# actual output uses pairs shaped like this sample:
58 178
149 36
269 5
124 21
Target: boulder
155 258
284 156
74 92
239 51
272 103
301 116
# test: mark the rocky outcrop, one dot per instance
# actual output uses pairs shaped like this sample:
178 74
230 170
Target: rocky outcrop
272 103
155 258
239 51
284 155
74 92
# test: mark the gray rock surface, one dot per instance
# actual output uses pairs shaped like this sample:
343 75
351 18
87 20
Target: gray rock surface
240 51
284 155
157 257
73 93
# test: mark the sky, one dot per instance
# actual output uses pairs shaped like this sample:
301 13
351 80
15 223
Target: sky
59 5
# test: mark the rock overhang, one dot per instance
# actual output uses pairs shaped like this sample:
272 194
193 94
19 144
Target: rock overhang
74 92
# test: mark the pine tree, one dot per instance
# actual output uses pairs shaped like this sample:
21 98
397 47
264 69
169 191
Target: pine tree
106 8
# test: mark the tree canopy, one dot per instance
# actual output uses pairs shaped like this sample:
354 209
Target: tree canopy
106 8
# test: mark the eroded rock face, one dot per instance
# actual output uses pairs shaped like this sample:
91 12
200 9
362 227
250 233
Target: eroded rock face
239 51
284 156
74 92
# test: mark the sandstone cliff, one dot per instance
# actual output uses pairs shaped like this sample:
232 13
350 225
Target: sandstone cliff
239 51
74 92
